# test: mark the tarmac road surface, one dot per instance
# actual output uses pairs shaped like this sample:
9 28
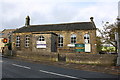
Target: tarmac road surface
16 69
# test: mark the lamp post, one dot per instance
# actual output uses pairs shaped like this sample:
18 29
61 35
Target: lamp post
118 41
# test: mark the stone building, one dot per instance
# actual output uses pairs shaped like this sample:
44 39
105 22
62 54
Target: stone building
6 33
55 37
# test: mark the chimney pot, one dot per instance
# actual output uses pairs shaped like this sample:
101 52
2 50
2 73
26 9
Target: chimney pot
27 21
91 18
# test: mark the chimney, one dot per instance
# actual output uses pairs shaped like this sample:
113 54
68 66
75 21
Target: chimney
91 18
27 23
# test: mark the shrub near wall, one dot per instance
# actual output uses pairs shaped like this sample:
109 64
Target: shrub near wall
96 59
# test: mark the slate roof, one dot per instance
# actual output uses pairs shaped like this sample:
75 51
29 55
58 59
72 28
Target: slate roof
58 27
47 33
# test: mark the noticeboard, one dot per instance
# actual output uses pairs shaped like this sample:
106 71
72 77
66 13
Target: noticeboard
79 47
40 44
83 47
87 47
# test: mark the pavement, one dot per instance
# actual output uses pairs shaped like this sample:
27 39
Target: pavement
13 69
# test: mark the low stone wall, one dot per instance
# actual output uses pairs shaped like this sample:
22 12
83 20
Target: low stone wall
96 59
37 56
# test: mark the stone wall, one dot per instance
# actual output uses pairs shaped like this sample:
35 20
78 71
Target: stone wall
93 59
96 59
66 40
22 42
38 56
48 43
80 39
50 39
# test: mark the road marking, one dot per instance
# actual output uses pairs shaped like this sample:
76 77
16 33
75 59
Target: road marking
61 75
21 66
49 72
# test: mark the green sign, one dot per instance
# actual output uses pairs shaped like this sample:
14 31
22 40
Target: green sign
80 47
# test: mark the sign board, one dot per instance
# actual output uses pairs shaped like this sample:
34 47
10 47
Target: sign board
40 44
87 47
79 47
71 45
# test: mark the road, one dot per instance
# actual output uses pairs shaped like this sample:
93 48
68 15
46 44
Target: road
12 68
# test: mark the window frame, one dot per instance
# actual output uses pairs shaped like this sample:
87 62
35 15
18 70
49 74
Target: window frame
41 38
86 38
18 41
60 41
27 41
73 38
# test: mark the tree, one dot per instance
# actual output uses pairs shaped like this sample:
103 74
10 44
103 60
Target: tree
99 44
108 34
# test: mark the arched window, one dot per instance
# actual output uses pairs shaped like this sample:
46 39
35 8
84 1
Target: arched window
41 38
73 39
87 38
18 41
27 41
60 41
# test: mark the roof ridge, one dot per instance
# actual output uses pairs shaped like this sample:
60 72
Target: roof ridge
60 24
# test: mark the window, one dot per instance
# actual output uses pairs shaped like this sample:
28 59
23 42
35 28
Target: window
18 41
60 41
1 34
73 39
87 38
41 38
27 41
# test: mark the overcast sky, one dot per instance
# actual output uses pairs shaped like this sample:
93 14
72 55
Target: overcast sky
13 12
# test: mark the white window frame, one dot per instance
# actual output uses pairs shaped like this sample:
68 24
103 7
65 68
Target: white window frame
41 38
60 40
86 38
18 41
27 41
73 38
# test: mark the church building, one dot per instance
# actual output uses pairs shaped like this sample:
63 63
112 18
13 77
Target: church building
76 37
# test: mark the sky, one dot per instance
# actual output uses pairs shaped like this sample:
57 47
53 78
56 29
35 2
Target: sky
14 12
